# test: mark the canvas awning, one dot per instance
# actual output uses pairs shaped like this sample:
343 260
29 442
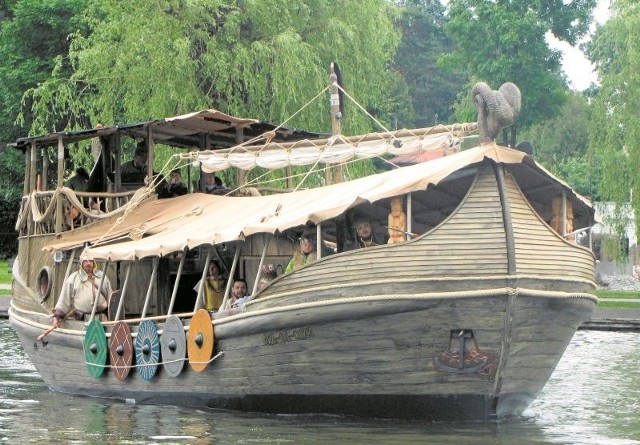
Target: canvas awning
171 225
187 131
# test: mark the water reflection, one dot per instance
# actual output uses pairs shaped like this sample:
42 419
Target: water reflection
591 398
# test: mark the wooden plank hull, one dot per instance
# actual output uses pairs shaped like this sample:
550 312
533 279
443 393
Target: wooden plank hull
370 358
467 321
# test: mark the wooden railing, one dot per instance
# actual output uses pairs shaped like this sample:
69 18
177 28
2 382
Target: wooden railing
39 213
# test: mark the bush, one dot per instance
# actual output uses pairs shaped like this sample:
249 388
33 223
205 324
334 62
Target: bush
8 236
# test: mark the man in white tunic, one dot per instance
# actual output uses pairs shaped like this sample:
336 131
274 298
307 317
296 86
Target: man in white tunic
79 292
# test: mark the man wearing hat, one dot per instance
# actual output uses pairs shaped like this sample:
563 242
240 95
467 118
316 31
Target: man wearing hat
79 291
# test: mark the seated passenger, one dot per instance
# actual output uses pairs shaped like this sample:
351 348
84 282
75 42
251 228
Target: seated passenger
306 253
213 185
238 295
364 234
268 274
174 187
214 287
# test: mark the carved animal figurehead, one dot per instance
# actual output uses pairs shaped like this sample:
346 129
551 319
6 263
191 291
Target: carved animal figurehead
496 109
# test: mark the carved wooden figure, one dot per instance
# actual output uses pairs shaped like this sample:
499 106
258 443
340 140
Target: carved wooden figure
556 218
397 222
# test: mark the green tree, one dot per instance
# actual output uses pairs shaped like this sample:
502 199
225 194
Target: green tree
258 58
32 34
504 41
254 58
561 144
615 123
433 89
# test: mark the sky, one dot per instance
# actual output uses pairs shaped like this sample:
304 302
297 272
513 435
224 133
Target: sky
577 67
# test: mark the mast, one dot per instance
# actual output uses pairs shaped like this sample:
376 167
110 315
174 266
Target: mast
334 173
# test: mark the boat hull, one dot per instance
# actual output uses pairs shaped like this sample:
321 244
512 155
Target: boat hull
365 357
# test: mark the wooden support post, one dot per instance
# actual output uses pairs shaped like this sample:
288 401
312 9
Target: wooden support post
59 184
240 174
152 280
150 155
27 167
45 169
124 291
203 278
175 285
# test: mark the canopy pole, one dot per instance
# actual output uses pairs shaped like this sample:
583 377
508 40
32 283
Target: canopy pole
70 264
95 303
564 214
45 169
409 215
232 272
175 285
150 154
223 265
154 273
259 274
203 277
319 240
124 291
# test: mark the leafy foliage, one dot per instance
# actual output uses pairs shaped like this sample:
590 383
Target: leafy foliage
615 124
504 41
150 59
432 88
562 143
145 60
9 207
31 36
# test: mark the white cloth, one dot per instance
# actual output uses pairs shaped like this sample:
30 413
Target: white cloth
78 292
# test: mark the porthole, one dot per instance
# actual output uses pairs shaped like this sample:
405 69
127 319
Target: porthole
43 283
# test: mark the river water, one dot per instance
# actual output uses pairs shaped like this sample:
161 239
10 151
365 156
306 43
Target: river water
593 397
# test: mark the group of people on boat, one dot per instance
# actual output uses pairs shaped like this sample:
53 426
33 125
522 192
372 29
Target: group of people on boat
82 287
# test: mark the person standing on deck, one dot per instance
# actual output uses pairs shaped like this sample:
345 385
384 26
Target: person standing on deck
137 167
79 291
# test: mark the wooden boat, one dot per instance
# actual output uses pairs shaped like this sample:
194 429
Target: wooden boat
465 319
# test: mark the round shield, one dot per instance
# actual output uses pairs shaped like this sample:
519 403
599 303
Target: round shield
121 350
147 347
173 345
200 340
95 348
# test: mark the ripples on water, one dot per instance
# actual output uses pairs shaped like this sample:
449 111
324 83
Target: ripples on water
592 398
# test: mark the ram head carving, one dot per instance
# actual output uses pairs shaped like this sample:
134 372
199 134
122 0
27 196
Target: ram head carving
496 109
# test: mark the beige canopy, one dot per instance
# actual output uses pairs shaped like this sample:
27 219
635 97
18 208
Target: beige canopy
170 225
